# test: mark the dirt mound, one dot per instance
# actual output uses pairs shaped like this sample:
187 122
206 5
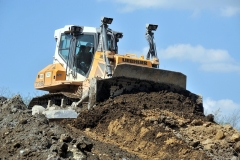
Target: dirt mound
24 136
13 104
134 104
159 125
154 125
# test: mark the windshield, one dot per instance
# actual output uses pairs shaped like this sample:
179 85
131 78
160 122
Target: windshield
84 51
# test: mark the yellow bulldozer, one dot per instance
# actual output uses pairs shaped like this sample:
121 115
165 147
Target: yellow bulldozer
87 68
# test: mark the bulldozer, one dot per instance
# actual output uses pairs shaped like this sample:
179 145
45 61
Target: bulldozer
87 68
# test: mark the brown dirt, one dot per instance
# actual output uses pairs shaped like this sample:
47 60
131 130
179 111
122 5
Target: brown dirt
154 125
142 124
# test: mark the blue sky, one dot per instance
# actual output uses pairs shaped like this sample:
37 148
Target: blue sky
199 38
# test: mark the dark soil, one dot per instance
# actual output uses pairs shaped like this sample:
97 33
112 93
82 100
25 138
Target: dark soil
24 136
145 125
133 104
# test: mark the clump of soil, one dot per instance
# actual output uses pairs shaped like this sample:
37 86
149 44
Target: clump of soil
2 99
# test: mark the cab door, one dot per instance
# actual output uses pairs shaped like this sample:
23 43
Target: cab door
48 78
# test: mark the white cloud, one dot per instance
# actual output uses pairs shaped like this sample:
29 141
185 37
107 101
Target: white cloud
224 104
225 107
224 111
230 11
195 53
216 60
226 7
220 67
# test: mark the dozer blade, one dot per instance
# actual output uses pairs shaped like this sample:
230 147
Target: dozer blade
151 74
132 79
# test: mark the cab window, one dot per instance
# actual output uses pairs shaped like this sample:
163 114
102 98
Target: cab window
65 45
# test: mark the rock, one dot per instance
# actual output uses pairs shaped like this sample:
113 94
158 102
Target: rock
17 145
228 127
224 143
41 118
53 157
207 124
235 137
210 118
2 100
50 134
194 143
199 99
161 118
179 135
65 138
196 122
237 147
208 146
159 134
162 125
169 121
87 129
63 147
234 158
37 109
84 145
55 137
54 148
23 121
208 141
13 110
45 143
60 149
181 123
199 106
220 135
153 119
155 122
25 152
167 128
76 154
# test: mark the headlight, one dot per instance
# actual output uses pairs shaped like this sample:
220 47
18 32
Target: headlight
151 27
106 20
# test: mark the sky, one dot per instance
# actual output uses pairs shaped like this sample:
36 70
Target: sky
199 38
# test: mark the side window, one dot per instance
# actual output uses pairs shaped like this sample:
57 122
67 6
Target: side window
64 46
109 42
84 53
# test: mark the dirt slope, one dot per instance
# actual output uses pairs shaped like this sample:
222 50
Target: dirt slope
24 136
155 125
159 125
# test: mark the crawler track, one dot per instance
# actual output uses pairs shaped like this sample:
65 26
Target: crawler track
55 98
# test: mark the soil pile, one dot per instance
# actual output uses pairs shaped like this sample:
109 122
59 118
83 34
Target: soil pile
154 125
24 136
160 125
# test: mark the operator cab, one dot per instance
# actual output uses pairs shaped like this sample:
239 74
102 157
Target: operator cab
82 47
77 46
